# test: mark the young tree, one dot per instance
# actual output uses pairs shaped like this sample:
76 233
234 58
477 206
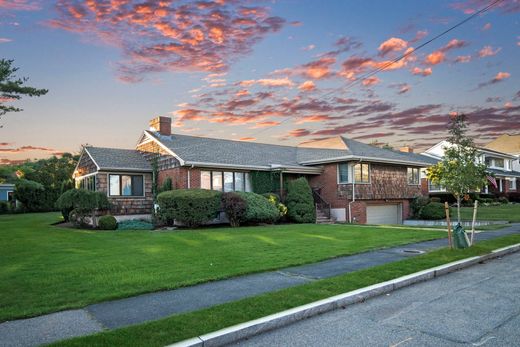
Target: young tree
13 88
459 170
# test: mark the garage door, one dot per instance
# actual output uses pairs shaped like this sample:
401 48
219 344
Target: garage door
384 214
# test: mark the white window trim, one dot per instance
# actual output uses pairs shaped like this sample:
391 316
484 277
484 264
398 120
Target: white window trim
246 175
125 196
351 171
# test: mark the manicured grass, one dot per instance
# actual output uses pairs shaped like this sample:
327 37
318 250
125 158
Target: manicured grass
508 212
46 268
180 327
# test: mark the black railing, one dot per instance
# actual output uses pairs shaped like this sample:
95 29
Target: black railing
320 203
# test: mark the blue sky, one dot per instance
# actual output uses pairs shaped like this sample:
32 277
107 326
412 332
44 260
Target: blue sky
277 72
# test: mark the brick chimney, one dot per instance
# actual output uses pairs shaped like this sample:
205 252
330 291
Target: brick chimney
406 149
163 125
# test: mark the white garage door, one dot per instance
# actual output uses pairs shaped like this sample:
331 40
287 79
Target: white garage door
384 214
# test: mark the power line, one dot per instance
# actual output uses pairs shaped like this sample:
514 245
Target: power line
390 63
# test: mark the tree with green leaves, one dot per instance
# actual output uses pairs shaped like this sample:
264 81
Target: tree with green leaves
13 88
459 171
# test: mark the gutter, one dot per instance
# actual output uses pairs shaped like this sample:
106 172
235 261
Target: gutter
368 159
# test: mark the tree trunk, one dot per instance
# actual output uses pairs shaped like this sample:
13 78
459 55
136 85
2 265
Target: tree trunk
458 209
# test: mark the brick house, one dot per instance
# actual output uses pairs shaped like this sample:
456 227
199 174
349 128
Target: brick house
352 181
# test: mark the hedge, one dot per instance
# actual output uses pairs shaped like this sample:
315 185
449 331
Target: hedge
300 203
191 207
31 195
258 209
107 222
433 211
83 203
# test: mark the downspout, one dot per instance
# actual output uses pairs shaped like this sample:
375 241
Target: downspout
353 195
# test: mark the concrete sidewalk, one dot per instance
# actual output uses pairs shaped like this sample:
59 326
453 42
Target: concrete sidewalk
153 306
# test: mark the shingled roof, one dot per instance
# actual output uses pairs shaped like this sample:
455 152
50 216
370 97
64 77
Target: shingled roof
202 150
118 159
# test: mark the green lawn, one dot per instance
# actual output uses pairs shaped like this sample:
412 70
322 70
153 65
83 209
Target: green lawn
46 268
509 212
183 326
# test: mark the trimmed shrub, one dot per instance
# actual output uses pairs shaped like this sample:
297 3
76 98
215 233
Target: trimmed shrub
235 207
107 222
258 209
80 203
275 200
433 211
31 195
191 207
503 200
300 203
4 207
134 225
167 185
417 205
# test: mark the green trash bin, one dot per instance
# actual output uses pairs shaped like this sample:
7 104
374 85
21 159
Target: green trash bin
459 237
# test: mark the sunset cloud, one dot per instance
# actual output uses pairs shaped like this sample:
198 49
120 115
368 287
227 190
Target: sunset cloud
422 72
488 51
371 81
463 59
435 58
23 149
167 36
393 44
247 139
269 82
20 5
4 40
498 78
307 86
298 132
486 27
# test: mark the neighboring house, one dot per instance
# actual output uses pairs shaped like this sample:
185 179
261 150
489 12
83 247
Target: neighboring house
499 164
7 192
351 180
509 144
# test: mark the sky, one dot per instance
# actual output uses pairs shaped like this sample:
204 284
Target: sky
282 72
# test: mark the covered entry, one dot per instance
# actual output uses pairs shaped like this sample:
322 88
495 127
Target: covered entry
384 214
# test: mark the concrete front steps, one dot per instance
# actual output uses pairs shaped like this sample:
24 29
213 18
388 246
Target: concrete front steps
321 218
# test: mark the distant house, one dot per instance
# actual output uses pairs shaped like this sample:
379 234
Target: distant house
352 181
509 144
7 192
499 164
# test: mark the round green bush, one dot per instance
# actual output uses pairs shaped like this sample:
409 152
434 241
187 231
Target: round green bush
258 209
300 203
191 207
433 211
31 194
4 207
417 205
107 222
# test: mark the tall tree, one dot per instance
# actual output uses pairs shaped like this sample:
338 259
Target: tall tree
13 88
459 171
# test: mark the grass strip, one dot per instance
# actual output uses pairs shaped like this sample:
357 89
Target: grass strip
183 326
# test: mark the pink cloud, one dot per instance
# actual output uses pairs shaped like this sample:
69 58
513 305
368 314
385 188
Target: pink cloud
463 59
20 5
371 81
488 51
486 26
269 82
169 36
435 58
307 86
4 40
247 139
298 133
422 72
393 44
498 78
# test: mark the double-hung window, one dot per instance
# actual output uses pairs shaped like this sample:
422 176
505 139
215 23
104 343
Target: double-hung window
362 173
343 173
126 185
413 175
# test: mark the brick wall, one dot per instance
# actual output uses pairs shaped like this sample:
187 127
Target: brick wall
128 205
179 177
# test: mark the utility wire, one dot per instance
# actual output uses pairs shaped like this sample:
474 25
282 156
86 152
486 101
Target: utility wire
390 63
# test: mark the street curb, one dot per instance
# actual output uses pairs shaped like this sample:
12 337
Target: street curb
277 320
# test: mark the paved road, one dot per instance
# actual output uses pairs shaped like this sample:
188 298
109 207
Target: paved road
147 307
478 306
